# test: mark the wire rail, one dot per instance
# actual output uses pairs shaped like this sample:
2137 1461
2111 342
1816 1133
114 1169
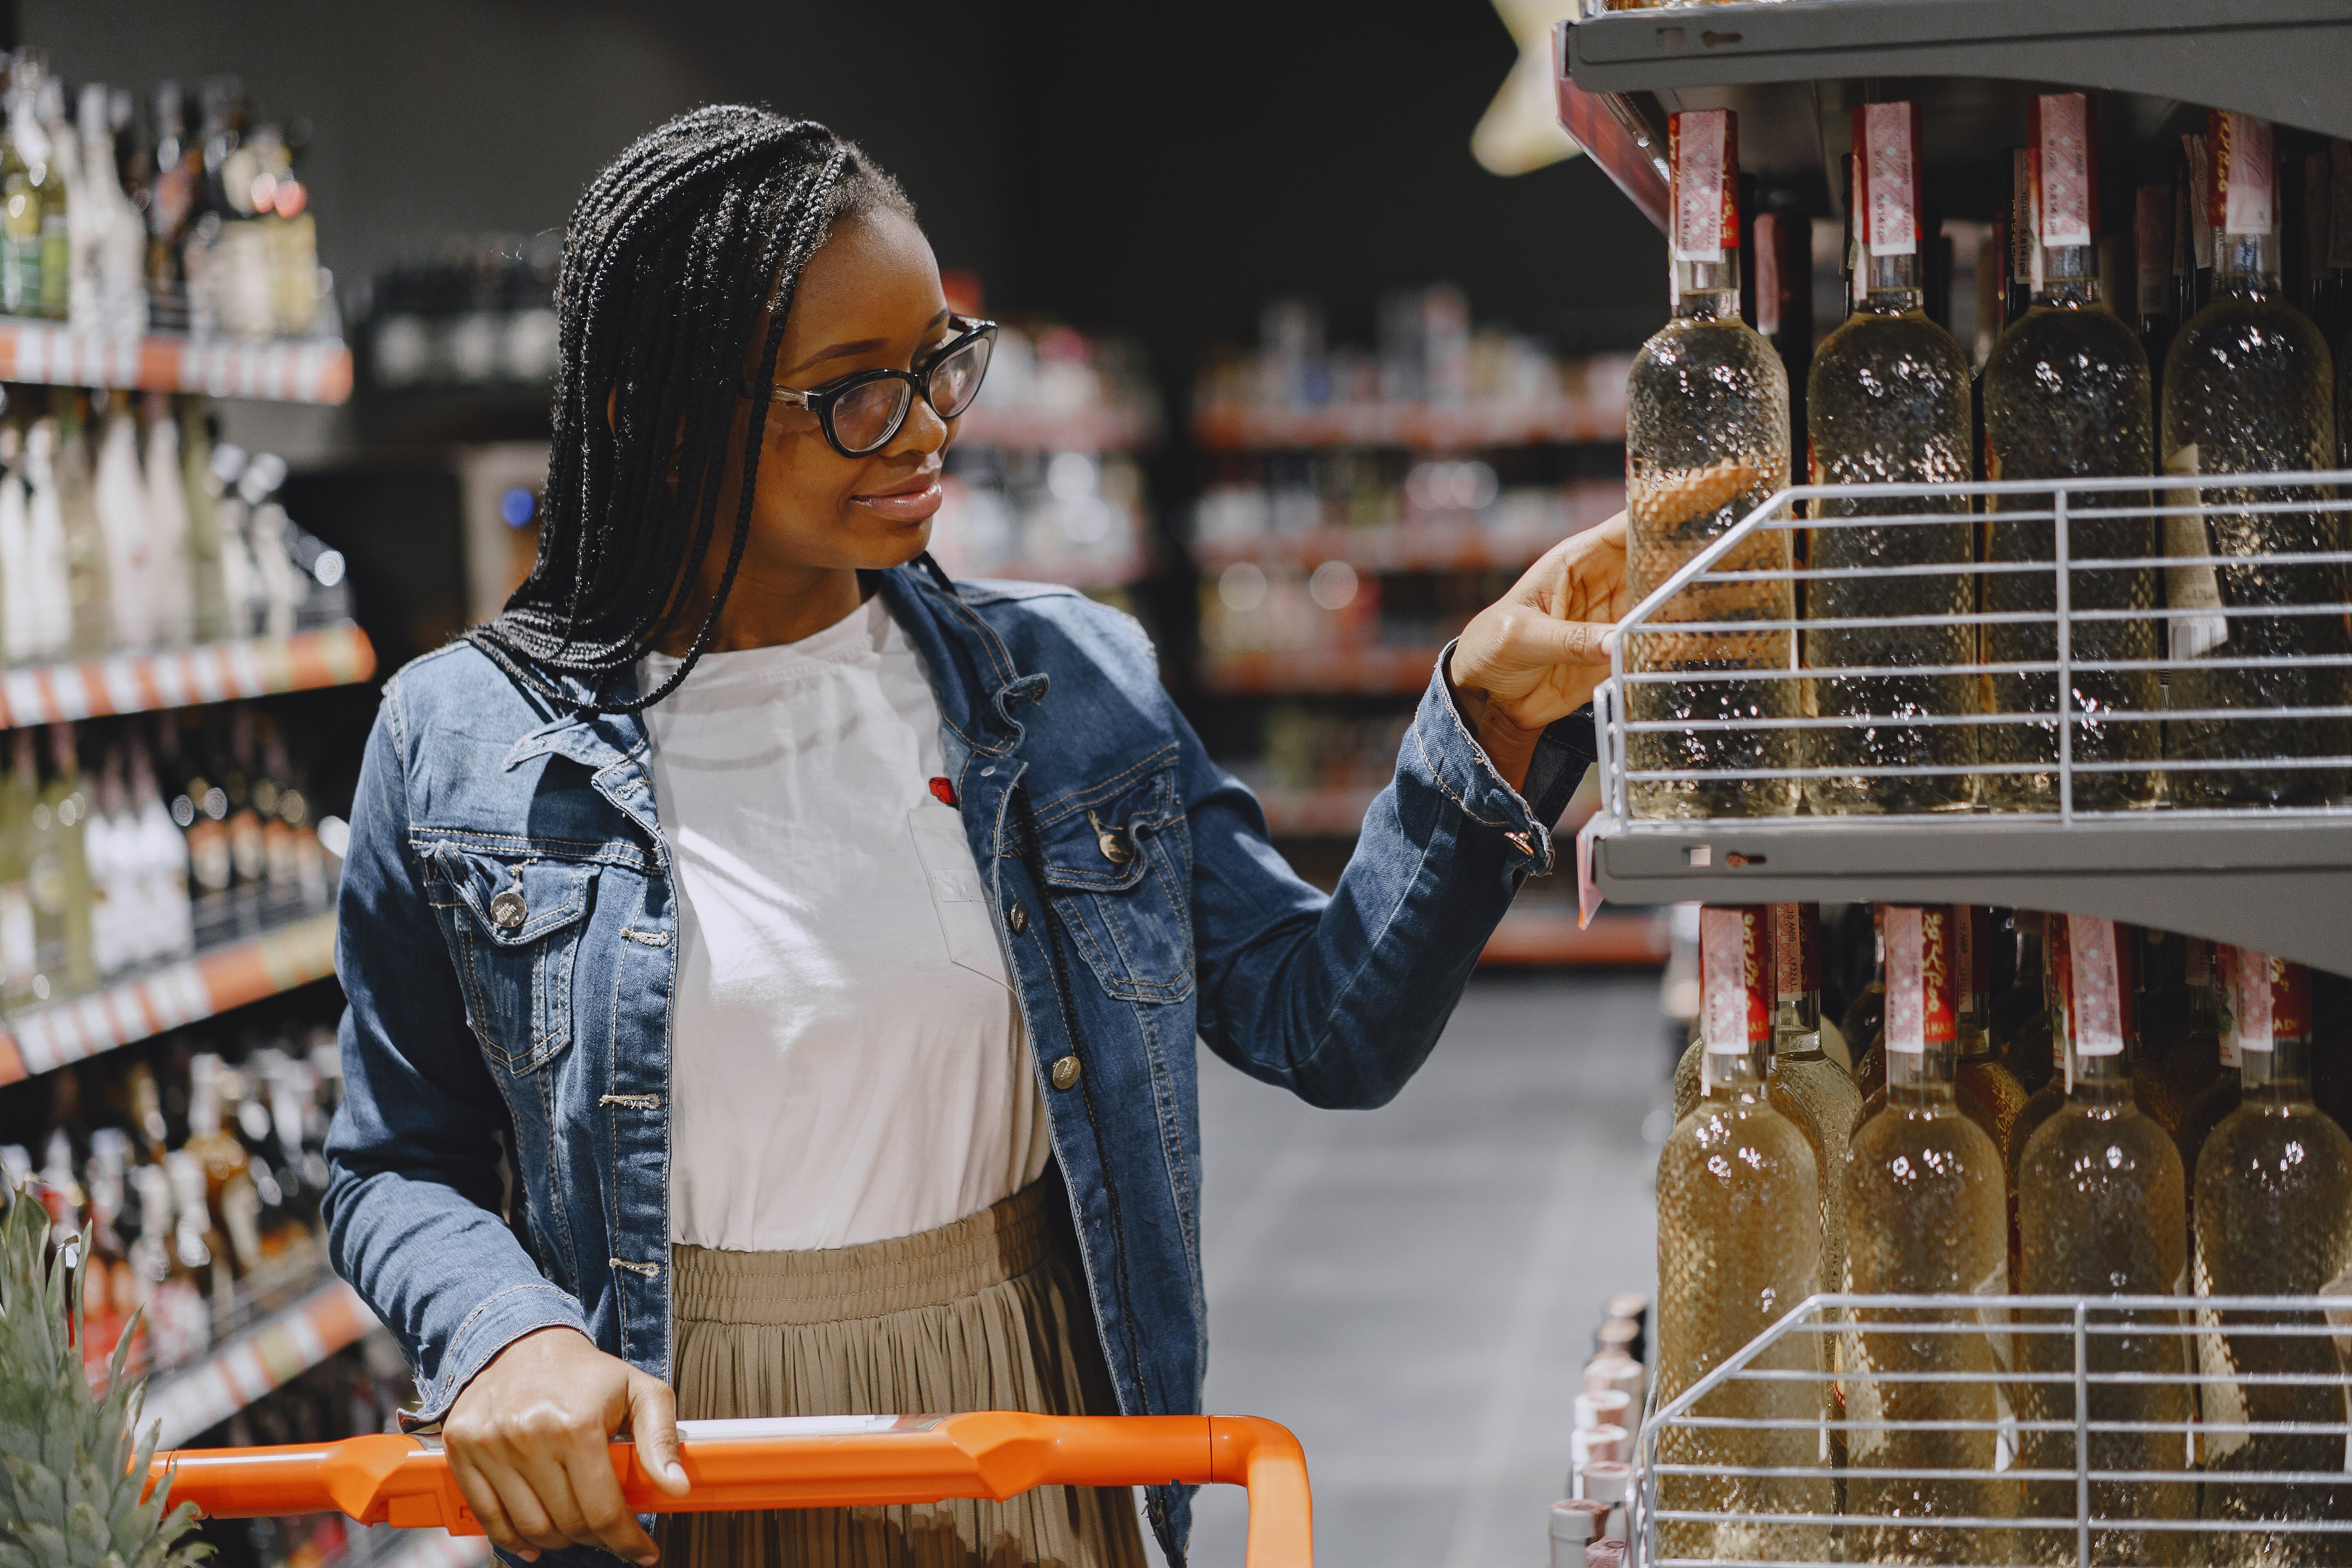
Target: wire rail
2082 648
2033 1430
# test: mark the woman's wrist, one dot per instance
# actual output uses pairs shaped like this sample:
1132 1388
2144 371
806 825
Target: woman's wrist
1509 745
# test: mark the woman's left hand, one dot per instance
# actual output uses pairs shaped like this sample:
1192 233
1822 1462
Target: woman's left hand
1534 655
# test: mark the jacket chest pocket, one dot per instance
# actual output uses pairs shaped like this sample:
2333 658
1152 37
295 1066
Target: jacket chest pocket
513 924
1119 863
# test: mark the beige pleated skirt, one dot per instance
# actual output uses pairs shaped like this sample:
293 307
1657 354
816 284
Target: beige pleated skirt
988 1313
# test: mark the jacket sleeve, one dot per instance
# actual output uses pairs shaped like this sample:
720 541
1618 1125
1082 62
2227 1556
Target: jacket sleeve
1340 998
413 1194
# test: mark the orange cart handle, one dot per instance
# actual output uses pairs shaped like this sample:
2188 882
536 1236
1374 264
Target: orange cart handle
802 1462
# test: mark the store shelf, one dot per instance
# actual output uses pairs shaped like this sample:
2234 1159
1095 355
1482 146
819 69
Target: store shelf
37 1039
283 372
267 1356
1413 546
1415 425
1079 572
1539 938
1335 670
181 678
2284 59
1046 430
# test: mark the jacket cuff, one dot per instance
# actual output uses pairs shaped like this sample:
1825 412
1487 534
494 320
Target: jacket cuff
490 1328
1459 767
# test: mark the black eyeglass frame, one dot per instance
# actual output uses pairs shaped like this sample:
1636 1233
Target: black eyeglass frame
821 400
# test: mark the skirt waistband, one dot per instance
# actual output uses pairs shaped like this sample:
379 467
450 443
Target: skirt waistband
931 1268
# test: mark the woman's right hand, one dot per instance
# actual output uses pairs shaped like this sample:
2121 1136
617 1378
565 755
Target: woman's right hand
527 1439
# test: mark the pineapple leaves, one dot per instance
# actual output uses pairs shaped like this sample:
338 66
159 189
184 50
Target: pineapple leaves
72 1464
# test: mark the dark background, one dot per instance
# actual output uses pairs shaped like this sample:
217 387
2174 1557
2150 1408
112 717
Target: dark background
1157 170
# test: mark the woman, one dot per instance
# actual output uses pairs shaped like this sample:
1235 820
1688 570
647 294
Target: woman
774 970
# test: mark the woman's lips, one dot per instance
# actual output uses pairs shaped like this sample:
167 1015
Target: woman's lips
911 502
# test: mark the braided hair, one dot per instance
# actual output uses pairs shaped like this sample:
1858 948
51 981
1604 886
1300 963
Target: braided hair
670 257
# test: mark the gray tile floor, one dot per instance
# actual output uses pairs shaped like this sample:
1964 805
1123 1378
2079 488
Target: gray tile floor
1412 1290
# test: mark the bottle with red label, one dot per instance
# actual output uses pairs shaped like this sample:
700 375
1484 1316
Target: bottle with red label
2152 209
1927 1214
2222 1093
2249 388
2100 1195
1887 401
1989 1094
2066 396
1740 1244
1706 442
2273 1218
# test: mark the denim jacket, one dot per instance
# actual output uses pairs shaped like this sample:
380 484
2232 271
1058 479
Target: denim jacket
509 945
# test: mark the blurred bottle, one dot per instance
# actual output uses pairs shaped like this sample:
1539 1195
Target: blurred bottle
19 943
119 497
89 580
65 884
57 199
171 206
28 183
109 236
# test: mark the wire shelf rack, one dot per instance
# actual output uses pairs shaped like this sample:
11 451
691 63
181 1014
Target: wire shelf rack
2134 677
2024 1430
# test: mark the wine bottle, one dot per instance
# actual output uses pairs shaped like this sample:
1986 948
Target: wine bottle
1887 400
2250 389
1707 441
2152 272
2066 396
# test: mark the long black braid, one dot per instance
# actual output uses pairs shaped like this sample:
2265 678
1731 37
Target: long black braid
670 257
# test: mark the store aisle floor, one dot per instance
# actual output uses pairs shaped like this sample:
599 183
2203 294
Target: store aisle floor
1412 1290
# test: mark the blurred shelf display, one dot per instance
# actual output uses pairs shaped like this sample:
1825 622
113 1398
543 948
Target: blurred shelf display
179 678
1330 812
1018 429
290 954
477 312
1307 671
296 371
1492 528
1432 384
1533 935
258 1361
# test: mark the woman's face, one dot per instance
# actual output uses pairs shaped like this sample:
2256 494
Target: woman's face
868 299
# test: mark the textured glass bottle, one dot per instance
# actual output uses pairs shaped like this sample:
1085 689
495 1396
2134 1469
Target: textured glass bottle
1706 442
2273 1218
2066 396
2249 388
1740 1244
2100 1192
1887 402
1924 1215
1805 1086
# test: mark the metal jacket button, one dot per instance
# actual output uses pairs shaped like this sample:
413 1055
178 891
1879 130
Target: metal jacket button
507 910
1017 917
1114 846
1066 1072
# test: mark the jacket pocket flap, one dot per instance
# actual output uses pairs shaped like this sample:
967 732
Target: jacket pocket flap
513 900
1099 841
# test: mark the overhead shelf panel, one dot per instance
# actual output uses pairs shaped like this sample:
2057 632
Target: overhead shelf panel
2287 60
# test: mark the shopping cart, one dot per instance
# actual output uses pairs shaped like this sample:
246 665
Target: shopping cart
798 1462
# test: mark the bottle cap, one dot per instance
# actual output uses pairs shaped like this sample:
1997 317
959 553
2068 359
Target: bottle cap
1918 977
1616 1336
1703 161
1734 1017
2242 177
2090 987
1622 1372
1796 949
1886 176
1604 1407
1626 1304
1572 1524
1604 1555
2065 137
1605 1443
1608 1480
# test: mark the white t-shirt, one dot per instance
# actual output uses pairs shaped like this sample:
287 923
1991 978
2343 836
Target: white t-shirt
848 1063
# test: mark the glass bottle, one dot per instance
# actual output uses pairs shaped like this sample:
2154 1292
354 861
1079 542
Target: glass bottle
1887 402
2223 1093
1925 1214
25 179
2068 396
1740 1242
2100 1195
89 575
68 804
2273 1218
19 945
1981 1079
1707 441
2152 272
56 234
2181 1052
2249 388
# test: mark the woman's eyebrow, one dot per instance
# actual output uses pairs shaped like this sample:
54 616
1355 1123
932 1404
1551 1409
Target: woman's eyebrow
861 346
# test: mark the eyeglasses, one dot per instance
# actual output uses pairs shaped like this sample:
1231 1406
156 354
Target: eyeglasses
861 412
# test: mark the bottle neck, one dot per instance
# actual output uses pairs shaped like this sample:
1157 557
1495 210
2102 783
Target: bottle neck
2101 1083
1921 1080
2070 277
1734 1075
2245 265
1708 290
2280 1075
1892 284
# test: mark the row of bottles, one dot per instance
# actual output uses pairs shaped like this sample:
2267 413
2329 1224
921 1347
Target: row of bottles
2121 1114
128 214
2188 668
127 526
198 1177
125 842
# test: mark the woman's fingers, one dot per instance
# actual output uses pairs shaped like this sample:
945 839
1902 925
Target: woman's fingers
482 1497
599 1512
653 1426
